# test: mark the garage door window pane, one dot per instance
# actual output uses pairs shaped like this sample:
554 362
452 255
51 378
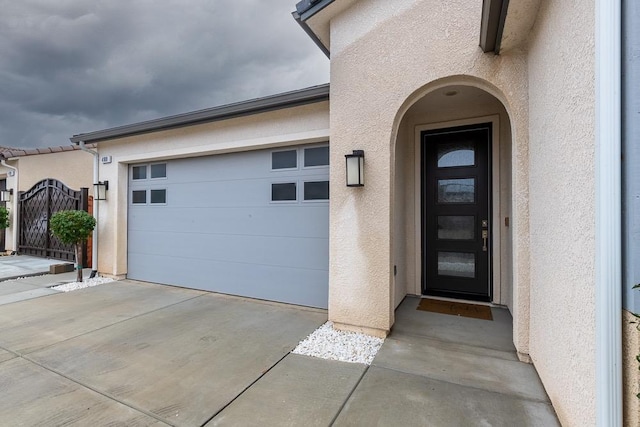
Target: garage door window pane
159 170
318 156
284 159
139 197
283 192
158 196
139 172
316 190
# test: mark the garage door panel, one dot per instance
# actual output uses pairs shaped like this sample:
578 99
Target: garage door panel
295 286
244 193
247 165
309 220
293 252
233 166
219 230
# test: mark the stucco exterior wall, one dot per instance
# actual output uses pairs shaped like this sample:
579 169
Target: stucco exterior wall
5 173
384 57
73 168
297 125
631 373
562 205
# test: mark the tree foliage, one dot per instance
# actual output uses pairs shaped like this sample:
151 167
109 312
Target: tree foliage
4 218
73 228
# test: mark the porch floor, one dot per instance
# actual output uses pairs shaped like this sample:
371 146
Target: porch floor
443 370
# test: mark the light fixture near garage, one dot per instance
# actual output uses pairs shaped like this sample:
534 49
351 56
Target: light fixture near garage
355 168
100 190
5 195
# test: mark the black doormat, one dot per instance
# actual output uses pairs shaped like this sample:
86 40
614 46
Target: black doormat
456 308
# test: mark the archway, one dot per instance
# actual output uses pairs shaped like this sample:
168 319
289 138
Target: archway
452 106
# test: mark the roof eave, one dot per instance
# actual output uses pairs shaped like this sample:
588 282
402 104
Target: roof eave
245 108
306 9
311 34
494 15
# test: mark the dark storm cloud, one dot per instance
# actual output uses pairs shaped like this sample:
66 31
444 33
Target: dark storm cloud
73 66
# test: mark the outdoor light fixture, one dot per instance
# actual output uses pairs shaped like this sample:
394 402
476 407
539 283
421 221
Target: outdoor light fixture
100 190
5 195
355 168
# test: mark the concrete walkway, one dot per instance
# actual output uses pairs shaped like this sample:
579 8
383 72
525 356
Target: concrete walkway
133 353
25 277
15 266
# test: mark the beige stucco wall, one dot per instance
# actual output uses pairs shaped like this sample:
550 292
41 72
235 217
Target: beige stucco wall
73 168
377 73
298 125
562 206
5 173
630 366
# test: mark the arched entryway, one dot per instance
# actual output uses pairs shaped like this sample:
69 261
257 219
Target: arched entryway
452 196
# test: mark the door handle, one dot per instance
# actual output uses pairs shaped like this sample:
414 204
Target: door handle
485 238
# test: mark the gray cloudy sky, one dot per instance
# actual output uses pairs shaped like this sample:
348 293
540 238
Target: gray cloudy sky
73 66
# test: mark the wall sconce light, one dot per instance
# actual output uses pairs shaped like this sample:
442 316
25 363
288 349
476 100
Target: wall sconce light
100 190
355 168
5 195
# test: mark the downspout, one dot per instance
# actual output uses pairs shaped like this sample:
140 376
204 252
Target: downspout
94 242
608 297
14 221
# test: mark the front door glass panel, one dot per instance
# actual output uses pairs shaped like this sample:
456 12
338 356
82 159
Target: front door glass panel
455 227
457 264
457 190
459 153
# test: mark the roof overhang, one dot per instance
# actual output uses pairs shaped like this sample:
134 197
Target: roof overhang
314 16
494 15
506 24
245 108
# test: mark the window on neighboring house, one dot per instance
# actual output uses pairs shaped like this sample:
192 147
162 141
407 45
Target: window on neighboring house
284 159
316 190
139 197
283 192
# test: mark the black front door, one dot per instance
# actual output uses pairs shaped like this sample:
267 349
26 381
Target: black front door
456 222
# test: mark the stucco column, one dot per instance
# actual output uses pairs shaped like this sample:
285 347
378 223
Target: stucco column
521 240
360 223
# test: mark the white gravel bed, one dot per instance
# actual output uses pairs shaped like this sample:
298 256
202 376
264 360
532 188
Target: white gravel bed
87 283
329 343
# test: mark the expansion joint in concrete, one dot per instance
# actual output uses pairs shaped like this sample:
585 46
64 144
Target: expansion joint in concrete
244 390
95 390
353 389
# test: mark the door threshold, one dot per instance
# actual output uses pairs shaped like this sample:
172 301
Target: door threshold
466 301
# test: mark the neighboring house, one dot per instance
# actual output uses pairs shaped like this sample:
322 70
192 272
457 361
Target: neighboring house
48 179
486 178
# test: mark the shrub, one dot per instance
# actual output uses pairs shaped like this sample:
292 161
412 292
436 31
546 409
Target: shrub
73 228
4 218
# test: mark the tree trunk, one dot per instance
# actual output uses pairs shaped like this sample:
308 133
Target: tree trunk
78 250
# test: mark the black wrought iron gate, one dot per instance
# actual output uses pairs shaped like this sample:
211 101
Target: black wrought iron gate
36 206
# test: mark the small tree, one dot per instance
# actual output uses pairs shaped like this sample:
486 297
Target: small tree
73 228
4 218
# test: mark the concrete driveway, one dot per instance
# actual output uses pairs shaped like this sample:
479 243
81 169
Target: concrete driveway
132 353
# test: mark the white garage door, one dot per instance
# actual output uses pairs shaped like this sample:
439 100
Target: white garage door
254 224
